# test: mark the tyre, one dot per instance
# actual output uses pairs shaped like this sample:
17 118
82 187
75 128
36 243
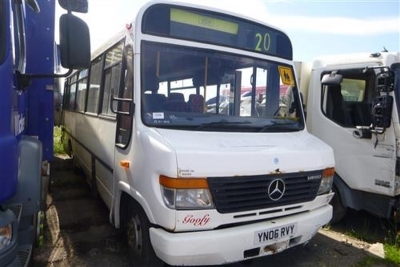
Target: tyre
138 238
339 210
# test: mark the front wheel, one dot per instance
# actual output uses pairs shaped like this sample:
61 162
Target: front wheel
137 233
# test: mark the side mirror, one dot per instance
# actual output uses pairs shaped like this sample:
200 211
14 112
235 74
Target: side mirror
384 81
332 79
74 42
80 6
381 113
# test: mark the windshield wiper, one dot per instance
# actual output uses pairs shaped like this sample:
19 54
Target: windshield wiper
280 126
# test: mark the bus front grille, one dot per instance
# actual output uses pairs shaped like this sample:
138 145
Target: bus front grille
246 193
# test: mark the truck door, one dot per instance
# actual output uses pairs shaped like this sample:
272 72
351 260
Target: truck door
365 152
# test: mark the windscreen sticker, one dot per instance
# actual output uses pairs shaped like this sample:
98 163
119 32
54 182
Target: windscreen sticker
158 115
286 75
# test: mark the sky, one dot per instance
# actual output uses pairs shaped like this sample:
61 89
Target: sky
316 28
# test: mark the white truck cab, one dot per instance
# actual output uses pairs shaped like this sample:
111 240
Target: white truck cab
351 103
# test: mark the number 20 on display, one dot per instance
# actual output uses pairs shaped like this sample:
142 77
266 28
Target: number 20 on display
263 42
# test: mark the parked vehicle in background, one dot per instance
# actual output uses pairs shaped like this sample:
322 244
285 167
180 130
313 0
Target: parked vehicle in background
191 185
27 64
352 104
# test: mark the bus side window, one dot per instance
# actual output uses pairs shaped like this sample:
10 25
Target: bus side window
112 76
94 85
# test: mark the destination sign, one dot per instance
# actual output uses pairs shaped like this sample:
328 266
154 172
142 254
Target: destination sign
215 28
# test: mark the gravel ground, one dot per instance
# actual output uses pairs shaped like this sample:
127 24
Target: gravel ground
78 233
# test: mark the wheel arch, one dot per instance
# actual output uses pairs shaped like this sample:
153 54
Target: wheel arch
345 194
125 197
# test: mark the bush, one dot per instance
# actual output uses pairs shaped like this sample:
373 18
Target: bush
58 146
392 245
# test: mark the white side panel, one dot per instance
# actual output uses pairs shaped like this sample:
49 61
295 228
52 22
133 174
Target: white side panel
104 179
98 135
84 158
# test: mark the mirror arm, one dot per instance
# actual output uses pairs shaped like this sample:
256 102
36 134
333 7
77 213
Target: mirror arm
24 80
53 75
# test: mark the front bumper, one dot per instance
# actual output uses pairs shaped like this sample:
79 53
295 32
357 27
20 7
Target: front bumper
238 243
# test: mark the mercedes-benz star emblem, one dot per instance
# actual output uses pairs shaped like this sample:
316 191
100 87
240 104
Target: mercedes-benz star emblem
276 189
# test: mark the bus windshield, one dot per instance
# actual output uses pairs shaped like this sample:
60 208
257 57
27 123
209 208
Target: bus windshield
198 89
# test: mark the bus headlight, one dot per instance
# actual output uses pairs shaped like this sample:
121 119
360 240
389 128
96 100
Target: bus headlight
326 181
186 193
5 235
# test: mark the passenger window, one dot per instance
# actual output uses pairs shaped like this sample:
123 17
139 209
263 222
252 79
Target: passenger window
94 86
81 91
112 71
72 93
111 84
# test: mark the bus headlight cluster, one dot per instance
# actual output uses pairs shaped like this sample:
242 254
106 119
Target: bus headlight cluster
186 193
5 235
326 181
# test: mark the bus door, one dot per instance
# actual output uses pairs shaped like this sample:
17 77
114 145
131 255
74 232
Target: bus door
123 107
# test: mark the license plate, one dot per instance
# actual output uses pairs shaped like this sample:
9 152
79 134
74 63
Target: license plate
270 235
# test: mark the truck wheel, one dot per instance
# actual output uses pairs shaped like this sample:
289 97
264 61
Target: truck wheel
137 233
339 210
